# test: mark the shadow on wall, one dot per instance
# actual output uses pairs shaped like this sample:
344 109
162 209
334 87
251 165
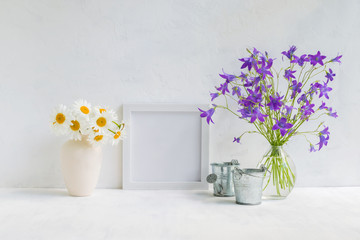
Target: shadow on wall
120 148
111 169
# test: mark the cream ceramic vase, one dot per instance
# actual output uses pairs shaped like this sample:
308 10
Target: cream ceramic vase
81 164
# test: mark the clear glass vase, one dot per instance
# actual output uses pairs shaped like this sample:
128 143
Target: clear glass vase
280 179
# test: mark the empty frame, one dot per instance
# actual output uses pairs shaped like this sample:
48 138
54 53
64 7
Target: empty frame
167 147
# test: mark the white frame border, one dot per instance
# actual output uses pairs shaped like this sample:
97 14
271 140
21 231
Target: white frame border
127 181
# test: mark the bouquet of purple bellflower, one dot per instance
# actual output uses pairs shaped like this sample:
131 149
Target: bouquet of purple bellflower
275 115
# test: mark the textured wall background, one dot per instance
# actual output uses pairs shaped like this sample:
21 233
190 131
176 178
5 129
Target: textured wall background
116 52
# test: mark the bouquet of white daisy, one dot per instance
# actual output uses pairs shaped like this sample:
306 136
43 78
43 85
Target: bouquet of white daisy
99 124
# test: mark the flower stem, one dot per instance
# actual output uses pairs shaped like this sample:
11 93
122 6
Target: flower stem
281 175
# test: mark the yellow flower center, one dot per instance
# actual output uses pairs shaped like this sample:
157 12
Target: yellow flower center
75 125
102 110
95 130
101 121
98 138
117 135
60 118
84 110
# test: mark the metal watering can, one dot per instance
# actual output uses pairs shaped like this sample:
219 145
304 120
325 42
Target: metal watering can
248 184
221 177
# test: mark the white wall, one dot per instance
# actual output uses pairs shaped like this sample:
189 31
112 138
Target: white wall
116 52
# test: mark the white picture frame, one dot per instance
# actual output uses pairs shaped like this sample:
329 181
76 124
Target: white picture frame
167 147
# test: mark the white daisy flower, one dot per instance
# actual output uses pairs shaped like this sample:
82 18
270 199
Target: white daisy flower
101 109
78 127
102 120
118 133
97 139
97 124
60 120
82 108
105 109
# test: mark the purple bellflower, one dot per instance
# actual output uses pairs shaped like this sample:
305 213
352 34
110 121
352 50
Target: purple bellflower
270 62
248 83
288 110
256 52
289 54
223 88
275 102
324 137
214 95
289 74
296 87
208 114
245 112
324 89
307 110
243 76
314 88
282 125
264 70
331 113
246 102
228 77
263 59
254 96
236 91
323 141
248 62
256 114
265 88
302 98
323 106
317 58
312 148
300 60
330 75
337 59
255 80
325 131
259 102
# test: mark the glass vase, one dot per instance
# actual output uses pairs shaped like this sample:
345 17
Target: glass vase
280 179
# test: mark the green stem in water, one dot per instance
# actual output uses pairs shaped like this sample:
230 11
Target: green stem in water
281 174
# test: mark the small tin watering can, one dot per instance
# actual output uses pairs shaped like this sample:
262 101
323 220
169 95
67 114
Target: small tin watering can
221 177
248 185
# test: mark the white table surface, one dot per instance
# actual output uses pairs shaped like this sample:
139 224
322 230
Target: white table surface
308 213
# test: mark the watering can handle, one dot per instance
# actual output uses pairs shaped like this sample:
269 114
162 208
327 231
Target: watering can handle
262 166
234 162
241 172
238 172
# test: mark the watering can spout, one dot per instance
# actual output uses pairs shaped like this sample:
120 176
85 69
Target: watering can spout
211 178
